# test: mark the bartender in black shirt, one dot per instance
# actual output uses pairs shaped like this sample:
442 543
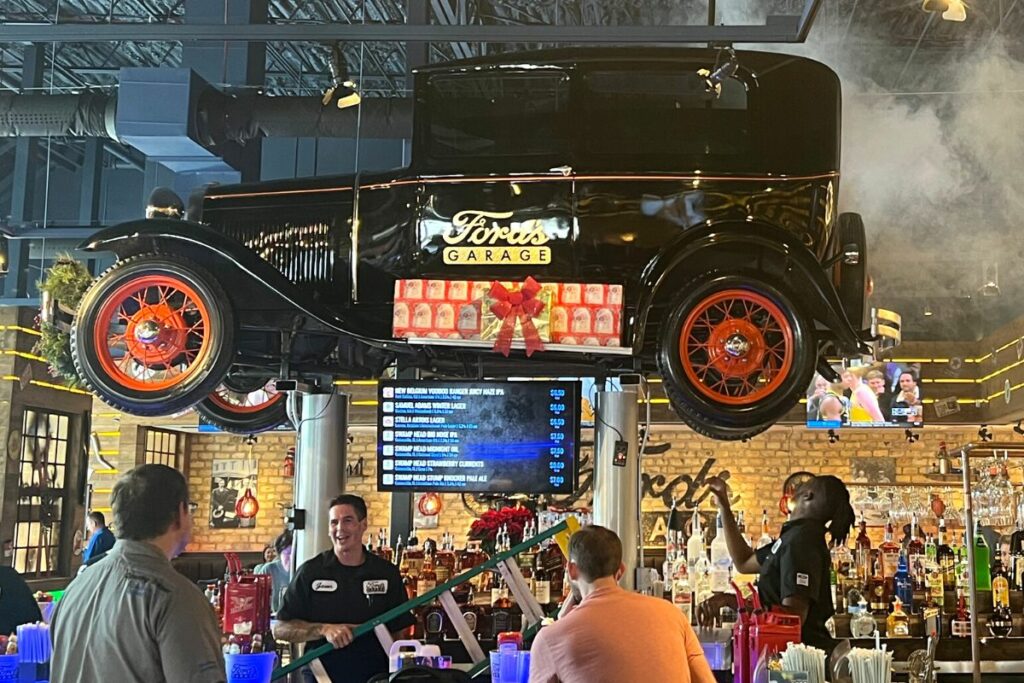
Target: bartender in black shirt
339 589
793 571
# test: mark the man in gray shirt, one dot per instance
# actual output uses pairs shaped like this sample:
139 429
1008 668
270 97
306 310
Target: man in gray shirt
132 617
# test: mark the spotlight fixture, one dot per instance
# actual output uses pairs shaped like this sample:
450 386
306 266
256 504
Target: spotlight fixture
832 436
952 10
343 88
250 440
912 437
928 311
1017 428
984 434
723 70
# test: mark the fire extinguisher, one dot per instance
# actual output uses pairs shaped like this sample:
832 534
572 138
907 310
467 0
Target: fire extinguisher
289 462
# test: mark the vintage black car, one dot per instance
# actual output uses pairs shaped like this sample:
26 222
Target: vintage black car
697 187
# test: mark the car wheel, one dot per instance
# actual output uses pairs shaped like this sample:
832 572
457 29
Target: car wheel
153 336
734 354
244 407
853 277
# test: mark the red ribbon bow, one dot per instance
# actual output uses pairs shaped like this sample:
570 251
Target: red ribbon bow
522 305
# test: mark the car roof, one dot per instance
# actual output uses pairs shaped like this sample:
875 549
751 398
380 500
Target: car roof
573 57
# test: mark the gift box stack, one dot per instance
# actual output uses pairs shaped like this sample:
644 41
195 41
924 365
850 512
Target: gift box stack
583 314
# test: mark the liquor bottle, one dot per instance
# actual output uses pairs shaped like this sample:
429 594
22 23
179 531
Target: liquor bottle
400 554
445 561
903 585
897 624
889 552
833 583
945 557
671 551
741 526
936 588
1000 623
428 576
541 582
982 561
863 552
915 556
721 563
960 627
695 544
766 530
1017 554
931 553
878 589
682 593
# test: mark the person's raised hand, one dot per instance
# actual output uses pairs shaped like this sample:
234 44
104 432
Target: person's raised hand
338 635
719 489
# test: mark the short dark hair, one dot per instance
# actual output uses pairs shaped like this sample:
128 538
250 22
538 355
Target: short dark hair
146 501
597 552
283 541
97 518
357 503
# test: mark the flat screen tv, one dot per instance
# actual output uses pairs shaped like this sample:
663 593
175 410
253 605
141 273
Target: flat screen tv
478 436
876 394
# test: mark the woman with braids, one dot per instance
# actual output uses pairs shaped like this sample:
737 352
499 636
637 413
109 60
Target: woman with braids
794 571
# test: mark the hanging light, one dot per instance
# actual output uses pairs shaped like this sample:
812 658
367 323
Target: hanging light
343 89
957 11
429 504
247 506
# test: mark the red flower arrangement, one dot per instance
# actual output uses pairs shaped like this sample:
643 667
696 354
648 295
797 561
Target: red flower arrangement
486 528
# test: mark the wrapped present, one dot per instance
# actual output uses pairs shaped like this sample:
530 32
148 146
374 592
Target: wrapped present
572 313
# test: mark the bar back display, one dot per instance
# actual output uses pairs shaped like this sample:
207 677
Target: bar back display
478 436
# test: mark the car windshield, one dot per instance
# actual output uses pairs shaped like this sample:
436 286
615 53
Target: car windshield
499 114
663 113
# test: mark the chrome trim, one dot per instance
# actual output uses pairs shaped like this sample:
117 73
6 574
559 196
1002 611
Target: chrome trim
520 344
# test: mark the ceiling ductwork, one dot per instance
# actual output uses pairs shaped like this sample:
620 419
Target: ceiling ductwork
219 118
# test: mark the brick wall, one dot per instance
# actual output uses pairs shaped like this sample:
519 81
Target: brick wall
757 471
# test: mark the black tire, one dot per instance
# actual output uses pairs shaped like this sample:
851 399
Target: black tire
215 336
215 411
853 278
729 413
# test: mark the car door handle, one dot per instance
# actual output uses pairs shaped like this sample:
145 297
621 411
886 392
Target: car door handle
564 170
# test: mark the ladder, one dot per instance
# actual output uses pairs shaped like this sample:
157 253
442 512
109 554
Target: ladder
504 562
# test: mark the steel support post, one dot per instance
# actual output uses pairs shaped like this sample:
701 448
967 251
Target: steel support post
320 455
617 472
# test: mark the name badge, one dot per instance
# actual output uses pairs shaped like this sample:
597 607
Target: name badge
778 544
803 580
379 587
324 586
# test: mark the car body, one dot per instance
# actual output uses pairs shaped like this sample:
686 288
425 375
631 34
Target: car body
698 187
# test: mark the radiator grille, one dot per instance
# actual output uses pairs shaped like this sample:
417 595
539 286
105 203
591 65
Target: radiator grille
303 253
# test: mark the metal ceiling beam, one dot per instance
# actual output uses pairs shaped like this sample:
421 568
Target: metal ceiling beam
779 29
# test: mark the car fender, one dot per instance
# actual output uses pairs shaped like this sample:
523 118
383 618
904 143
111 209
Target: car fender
748 247
153 234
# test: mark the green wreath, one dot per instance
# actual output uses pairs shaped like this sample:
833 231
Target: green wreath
64 285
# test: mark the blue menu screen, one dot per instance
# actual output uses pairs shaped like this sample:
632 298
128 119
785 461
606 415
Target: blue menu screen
478 437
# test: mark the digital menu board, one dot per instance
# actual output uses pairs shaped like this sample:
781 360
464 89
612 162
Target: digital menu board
478 437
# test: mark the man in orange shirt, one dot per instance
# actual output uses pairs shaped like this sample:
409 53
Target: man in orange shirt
614 635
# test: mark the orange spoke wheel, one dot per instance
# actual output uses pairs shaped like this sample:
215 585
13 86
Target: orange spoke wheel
736 347
246 402
152 333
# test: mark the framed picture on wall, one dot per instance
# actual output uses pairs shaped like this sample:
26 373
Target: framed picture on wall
228 483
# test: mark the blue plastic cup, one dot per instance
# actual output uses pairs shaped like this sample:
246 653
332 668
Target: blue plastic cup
8 667
510 665
255 668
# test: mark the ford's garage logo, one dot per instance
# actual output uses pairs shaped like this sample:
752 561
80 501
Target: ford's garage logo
480 238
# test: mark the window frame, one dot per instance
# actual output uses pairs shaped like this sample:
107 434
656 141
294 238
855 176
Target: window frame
29 514
144 454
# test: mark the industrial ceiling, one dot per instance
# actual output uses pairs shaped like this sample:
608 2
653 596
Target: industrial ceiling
887 51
